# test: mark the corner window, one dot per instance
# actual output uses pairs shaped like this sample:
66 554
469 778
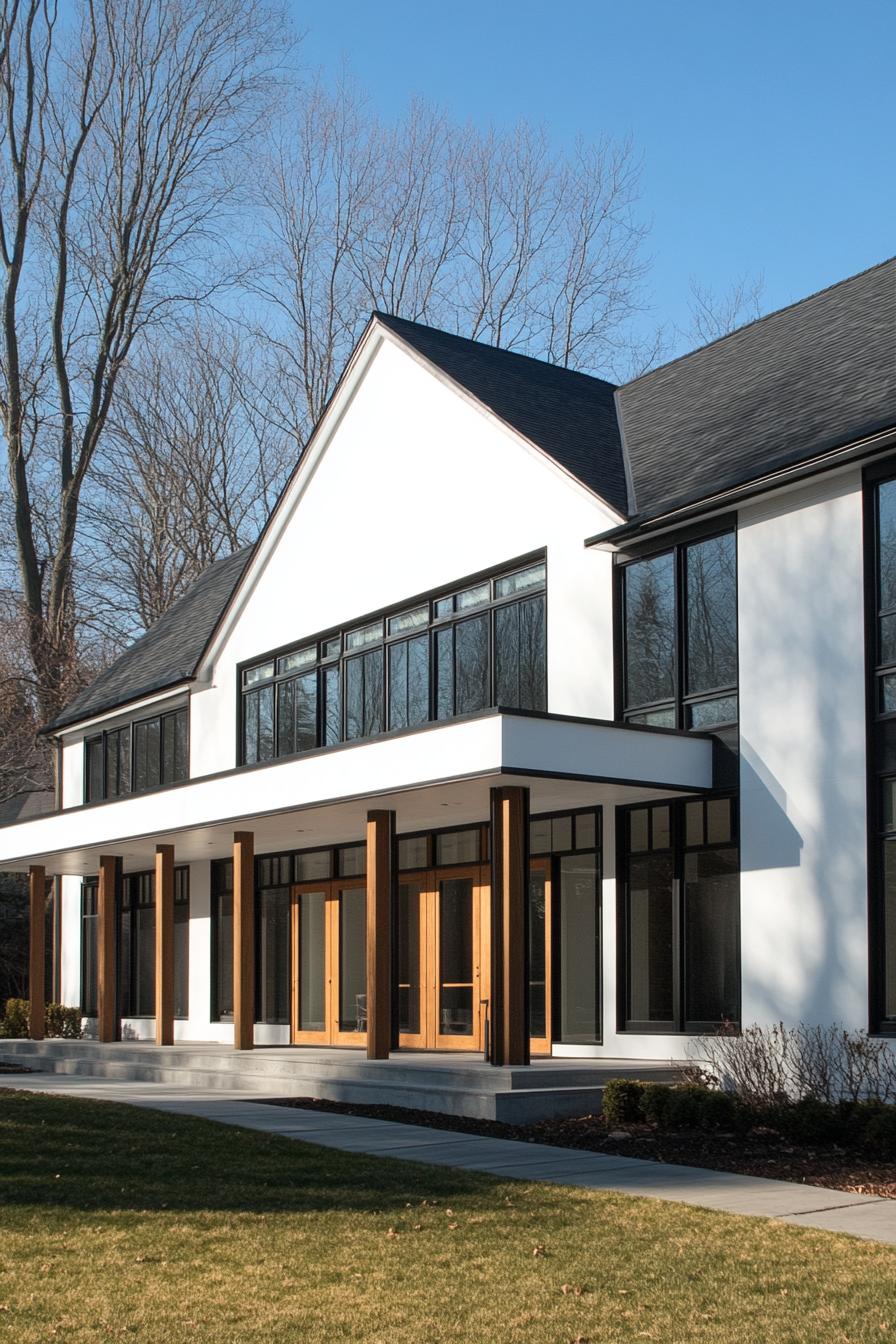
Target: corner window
680 916
679 636
456 653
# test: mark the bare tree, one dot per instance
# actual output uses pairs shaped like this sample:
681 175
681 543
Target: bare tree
121 132
715 315
194 457
494 236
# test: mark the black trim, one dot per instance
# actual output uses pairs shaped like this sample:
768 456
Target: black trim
739 492
874 475
382 616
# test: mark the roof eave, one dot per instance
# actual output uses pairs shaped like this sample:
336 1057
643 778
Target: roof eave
868 446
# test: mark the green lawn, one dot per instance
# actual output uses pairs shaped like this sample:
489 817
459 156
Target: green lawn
117 1223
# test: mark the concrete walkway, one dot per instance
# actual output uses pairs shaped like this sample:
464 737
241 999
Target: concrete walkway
803 1205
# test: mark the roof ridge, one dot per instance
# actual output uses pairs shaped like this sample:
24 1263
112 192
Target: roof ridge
389 318
755 322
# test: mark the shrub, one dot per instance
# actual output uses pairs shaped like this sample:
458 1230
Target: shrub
65 1022
59 1021
723 1111
655 1103
684 1108
879 1136
766 1065
15 1024
622 1101
811 1121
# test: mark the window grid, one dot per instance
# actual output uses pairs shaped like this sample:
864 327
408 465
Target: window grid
881 695
374 656
660 842
682 708
145 754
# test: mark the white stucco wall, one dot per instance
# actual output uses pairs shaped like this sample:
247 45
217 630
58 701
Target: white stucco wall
416 489
802 723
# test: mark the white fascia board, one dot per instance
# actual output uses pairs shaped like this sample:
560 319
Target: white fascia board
118 714
286 506
488 744
520 439
607 751
318 443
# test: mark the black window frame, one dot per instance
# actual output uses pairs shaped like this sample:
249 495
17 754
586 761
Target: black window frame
880 753
678 849
682 702
137 891
334 648
110 738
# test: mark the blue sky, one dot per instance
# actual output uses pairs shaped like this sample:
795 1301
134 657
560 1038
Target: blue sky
767 130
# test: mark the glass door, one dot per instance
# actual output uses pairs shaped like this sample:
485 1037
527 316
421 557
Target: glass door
329 943
442 962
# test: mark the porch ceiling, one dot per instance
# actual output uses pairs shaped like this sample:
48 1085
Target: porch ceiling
438 777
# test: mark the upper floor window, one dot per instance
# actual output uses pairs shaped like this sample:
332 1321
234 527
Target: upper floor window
881 644
454 653
140 755
679 635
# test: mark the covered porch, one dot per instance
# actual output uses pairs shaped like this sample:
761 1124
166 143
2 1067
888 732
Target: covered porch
398 939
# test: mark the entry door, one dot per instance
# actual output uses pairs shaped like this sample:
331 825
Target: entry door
442 959
329 944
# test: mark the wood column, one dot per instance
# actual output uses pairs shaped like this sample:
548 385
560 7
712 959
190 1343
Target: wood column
509 1008
108 1022
380 904
243 940
164 899
37 946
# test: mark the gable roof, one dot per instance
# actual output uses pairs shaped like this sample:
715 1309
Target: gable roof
569 415
800 382
169 651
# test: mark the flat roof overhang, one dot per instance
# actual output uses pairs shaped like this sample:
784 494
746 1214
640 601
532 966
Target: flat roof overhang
435 777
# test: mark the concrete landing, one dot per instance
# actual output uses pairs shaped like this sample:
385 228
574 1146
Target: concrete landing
448 1083
802 1205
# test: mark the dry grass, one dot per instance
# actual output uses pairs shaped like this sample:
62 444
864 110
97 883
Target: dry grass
118 1223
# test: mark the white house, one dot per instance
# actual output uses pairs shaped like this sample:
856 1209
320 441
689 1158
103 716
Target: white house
541 708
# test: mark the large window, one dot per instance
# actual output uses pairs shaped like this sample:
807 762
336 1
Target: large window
680 916
881 582
679 636
141 755
483 645
136 945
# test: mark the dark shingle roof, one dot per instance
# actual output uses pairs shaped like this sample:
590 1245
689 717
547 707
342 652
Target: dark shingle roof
569 415
797 383
169 651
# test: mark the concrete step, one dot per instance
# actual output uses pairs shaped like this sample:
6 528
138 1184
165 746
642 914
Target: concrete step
515 1095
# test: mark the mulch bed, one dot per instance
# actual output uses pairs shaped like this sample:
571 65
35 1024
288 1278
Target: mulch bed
14 1068
760 1153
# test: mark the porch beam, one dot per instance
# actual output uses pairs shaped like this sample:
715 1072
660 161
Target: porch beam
380 905
37 989
243 940
164 901
509 1008
108 1023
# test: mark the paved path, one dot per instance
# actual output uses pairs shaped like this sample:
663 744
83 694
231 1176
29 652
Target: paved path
803 1205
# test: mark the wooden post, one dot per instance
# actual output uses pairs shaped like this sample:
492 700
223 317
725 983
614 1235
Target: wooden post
243 940
509 1009
106 989
380 883
37 990
164 899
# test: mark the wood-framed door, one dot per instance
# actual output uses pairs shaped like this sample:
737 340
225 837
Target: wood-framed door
329 963
443 958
